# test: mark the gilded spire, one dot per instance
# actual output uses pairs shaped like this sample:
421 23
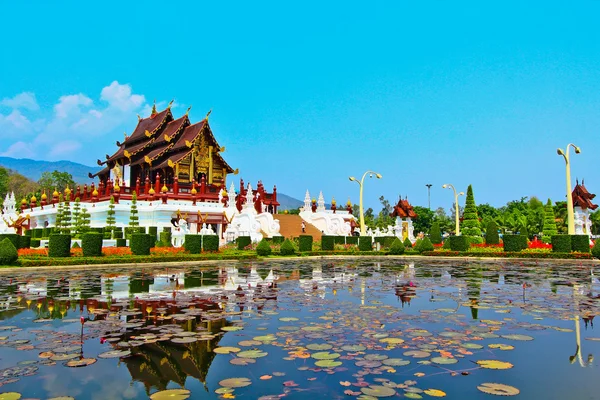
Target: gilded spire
207 114
188 110
170 103
153 109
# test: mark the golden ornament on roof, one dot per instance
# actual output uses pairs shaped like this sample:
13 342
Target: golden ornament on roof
24 201
194 191
33 199
151 191
164 189
117 188
95 193
333 201
44 197
67 191
55 194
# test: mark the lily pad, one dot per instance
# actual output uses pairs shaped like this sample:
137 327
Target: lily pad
325 355
83 362
390 340
444 360
501 346
10 396
498 389
171 394
319 346
517 337
252 354
494 364
328 363
226 350
115 354
378 391
434 393
235 382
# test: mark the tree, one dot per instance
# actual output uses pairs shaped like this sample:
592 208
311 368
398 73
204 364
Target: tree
470 223
491 233
133 211
77 216
59 214
549 223
435 235
443 220
3 183
424 219
595 218
84 221
110 216
560 212
66 218
56 180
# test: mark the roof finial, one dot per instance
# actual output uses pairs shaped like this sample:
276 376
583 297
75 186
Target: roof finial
170 103
188 110
207 114
139 118
153 108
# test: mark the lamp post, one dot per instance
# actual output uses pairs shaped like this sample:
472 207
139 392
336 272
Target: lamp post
429 185
570 217
449 186
363 230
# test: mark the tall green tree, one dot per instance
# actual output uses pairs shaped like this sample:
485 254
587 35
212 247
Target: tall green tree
66 218
491 233
424 219
4 183
435 234
133 211
56 180
76 216
110 216
84 221
549 222
59 214
470 224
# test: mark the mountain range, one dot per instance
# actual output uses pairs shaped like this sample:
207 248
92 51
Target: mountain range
33 170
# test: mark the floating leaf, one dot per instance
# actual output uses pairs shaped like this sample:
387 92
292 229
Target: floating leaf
252 354
517 337
378 391
389 340
417 354
494 364
232 328
328 363
226 350
319 346
288 319
325 355
498 389
501 346
171 394
242 361
83 362
10 396
444 360
235 382
395 362
434 393
115 354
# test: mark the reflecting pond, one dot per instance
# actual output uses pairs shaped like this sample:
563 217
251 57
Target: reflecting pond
330 330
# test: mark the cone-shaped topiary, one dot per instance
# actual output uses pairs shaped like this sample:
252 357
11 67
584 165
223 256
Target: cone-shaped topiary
470 224
549 229
491 233
110 216
8 252
524 232
423 245
435 234
407 243
396 247
133 211
287 248
264 248
596 249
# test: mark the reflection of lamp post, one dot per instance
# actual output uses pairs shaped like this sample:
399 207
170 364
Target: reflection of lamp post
363 230
565 154
446 186
429 185
577 354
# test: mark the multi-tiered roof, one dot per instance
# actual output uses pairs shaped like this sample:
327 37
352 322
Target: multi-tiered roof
582 198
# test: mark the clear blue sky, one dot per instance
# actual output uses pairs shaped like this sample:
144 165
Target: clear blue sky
305 94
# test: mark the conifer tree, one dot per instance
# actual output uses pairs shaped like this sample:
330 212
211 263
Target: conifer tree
84 220
549 223
110 216
133 217
470 224
66 218
59 214
491 233
435 234
76 216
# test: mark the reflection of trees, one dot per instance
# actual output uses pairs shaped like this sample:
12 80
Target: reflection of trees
199 278
473 278
140 283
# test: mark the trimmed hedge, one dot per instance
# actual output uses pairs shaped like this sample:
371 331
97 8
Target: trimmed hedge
121 242
424 245
327 243
153 230
117 234
397 248
165 239
28 232
13 237
130 230
561 243
580 243
37 233
514 242
491 233
596 248
365 244
35 243
210 243
385 241
435 233
140 244
278 239
59 245
193 244
263 249
458 243
305 243
243 241
287 248
25 242
166 229
91 243
8 252
407 243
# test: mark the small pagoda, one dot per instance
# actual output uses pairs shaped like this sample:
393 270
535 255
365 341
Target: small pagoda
582 204
403 213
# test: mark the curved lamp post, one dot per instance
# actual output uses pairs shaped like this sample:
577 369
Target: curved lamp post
449 186
570 217
363 230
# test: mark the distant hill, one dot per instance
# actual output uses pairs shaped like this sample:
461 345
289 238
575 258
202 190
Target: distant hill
33 169
288 203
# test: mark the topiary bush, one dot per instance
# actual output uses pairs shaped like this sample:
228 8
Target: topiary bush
193 244
153 230
75 245
327 243
549 229
24 242
91 243
365 243
243 242
121 242
13 237
305 243
407 243
435 233
35 243
210 243
117 234
59 245
580 243
264 248
423 245
491 233
140 244
596 248
470 224
524 231
458 243
561 243
8 252
514 242
278 239
287 248
165 239
397 248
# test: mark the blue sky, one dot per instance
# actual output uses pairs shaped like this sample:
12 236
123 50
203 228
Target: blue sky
304 95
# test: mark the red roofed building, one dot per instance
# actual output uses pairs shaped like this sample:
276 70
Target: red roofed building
582 204
404 214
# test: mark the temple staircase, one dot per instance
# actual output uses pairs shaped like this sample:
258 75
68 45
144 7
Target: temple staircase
291 226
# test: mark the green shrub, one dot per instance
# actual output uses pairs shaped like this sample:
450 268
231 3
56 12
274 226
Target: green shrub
435 233
8 252
121 242
491 233
264 248
305 243
549 229
424 245
352 240
470 224
475 240
327 243
397 248
596 248
153 230
165 239
524 232
407 243
37 233
141 244
580 243
210 243
24 242
75 245
45 233
278 239
91 243
35 243
287 248
193 244
561 243
28 232
59 245
243 242
13 237
514 242
166 229
365 243
117 234
458 243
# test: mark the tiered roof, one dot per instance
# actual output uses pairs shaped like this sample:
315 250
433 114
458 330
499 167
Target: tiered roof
403 210
582 198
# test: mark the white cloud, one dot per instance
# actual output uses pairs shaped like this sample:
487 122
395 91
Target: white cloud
64 148
24 100
119 96
70 106
19 150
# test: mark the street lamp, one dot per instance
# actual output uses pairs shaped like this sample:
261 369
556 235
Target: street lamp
570 217
363 230
429 185
449 186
